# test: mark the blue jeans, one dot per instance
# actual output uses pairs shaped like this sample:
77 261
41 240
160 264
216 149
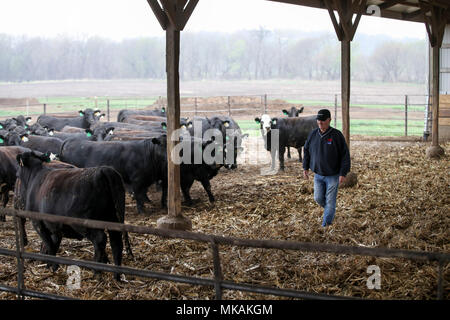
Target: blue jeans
325 193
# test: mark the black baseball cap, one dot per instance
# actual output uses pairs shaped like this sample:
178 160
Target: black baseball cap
323 114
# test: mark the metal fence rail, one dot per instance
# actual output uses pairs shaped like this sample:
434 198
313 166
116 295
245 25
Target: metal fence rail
218 283
407 114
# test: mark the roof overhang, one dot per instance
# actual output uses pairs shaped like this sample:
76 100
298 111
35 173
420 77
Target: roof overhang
406 10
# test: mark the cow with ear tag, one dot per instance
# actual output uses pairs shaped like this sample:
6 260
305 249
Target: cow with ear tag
85 119
291 132
141 163
294 112
90 193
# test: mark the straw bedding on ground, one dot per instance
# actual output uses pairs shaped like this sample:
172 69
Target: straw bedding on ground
402 200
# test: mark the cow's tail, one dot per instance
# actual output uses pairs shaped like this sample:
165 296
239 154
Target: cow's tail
117 189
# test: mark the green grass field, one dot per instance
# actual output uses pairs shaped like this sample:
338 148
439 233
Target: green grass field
388 127
357 126
368 106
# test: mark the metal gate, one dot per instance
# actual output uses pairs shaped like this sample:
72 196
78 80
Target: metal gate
215 241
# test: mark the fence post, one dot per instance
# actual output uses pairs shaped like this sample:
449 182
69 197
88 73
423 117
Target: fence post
195 106
45 108
217 270
18 226
406 115
107 109
335 109
265 103
229 106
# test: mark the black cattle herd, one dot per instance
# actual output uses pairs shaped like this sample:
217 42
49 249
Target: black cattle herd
81 166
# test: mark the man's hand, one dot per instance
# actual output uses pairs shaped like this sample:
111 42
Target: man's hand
341 179
306 174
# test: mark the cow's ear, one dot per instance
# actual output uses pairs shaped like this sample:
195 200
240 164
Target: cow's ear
46 157
89 132
164 125
285 112
258 120
24 137
81 113
20 159
102 116
53 156
274 121
301 110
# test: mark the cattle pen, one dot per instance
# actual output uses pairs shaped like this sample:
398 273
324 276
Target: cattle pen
214 241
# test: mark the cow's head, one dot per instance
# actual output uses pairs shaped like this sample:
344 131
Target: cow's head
265 123
37 129
15 139
101 133
90 116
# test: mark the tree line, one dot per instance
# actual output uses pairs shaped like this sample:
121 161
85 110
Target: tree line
250 54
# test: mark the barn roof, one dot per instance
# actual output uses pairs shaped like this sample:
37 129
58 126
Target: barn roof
406 10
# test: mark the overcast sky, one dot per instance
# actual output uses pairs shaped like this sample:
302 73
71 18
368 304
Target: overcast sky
119 19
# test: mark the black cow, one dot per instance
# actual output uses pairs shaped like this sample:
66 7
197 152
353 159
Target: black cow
85 120
123 114
100 133
203 171
294 112
8 168
141 162
293 132
91 193
233 139
37 143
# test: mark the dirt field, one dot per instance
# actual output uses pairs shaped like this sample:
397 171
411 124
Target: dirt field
401 201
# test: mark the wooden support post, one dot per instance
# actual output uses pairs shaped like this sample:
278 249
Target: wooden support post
173 17
345 31
345 89
435 26
174 219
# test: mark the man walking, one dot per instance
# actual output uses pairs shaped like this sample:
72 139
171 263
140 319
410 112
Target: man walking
326 154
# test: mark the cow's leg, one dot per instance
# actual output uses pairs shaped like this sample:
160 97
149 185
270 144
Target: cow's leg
98 239
289 152
164 194
186 185
5 199
115 240
281 158
24 232
299 154
207 186
140 197
46 237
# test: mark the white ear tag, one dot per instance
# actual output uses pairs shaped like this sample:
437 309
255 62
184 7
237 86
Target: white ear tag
53 157
51 133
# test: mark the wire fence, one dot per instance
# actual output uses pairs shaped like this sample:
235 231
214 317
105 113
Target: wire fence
373 115
218 282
